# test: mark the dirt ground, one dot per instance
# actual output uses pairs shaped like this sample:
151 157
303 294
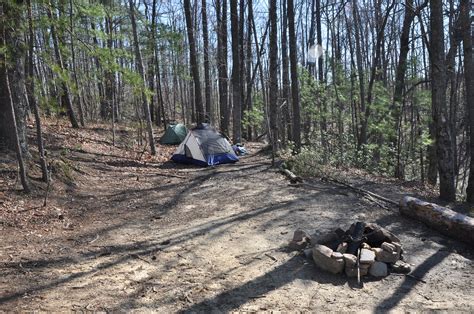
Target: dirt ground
123 231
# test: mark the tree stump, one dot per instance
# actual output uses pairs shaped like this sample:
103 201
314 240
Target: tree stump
443 219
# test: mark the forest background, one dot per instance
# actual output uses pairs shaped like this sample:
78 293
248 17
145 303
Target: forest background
387 86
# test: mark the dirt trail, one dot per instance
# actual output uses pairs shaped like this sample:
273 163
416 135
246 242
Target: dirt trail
166 238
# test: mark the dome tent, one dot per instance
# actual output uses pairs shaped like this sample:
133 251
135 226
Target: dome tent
174 134
204 146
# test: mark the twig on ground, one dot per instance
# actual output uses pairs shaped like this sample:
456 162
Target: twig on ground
361 191
271 257
257 296
370 195
416 278
95 239
410 276
140 258
371 199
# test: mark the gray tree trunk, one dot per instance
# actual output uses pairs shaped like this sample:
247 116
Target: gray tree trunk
441 120
19 155
295 93
200 117
469 79
236 77
8 126
273 82
31 96
360 71
66 95
74 68
221 12
400 83
285 77
207 78
139 61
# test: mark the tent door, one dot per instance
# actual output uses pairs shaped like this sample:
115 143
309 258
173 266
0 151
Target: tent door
187 152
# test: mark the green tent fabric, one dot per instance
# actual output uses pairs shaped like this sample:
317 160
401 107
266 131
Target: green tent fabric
175 134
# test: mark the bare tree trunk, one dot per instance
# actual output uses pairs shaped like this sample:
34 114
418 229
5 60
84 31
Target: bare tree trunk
273 82
285 76
294 77
32 97
207 79
66 95
400 83
376 67
242 64
323 102
74 68
441 119
151 62
109 74
19 155
160 109
221 12
469 79
360 71
236 78
193 62
100 85
319 40
138 57
8 126
249 82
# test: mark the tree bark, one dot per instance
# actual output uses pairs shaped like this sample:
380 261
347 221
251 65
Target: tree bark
273 82
207 79
285 77
221 12
100 85
19 155
440 218
66 95
151 44
236 77
160 110
441 120
109 74
200 117
319 40
242 64
295 95
7 106
362 140
74 68
32 98
323 103
249 81
400 83
139 62
469 80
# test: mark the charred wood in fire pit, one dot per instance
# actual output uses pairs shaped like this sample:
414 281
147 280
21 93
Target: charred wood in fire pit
377 235
356 237
332 239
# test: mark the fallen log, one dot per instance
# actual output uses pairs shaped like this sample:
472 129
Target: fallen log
290 175
443 219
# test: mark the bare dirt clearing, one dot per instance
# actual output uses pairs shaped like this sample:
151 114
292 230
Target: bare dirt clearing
146 234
